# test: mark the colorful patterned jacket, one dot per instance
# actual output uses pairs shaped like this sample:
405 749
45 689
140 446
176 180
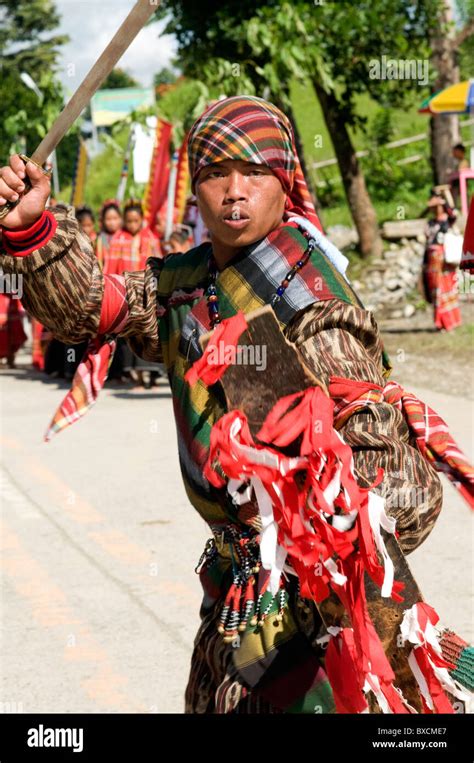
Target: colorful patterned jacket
164 313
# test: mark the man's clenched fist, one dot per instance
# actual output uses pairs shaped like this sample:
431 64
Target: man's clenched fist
32 204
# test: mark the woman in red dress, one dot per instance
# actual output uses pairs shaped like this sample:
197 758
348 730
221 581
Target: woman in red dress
131 246
110 222
12 334
439 277
129 250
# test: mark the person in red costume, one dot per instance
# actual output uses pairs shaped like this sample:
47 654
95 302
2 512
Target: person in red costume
439 277
110 219
131 246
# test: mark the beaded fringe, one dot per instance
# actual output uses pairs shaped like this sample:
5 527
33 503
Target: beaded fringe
243 604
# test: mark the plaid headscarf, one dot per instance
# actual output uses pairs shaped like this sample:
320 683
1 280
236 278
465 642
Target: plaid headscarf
253 130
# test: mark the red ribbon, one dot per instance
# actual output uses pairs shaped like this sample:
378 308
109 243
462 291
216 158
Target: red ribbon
224 337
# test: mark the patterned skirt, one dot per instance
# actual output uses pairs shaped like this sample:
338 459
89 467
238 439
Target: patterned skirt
441 289
216 686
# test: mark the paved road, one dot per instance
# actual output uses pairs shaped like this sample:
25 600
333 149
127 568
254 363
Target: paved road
99 605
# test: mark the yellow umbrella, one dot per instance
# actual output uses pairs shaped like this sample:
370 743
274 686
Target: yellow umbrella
456 99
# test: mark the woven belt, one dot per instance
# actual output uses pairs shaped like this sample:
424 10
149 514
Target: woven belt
226 543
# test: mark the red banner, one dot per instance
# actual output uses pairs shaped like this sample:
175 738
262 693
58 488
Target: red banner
182 183
157 188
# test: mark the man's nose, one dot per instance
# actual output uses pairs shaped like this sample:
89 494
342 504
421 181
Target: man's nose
235 188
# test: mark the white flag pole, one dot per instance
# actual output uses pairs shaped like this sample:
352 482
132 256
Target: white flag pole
171 194
126 159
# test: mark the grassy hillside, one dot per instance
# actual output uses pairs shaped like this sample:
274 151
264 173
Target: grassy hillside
311 122
405 122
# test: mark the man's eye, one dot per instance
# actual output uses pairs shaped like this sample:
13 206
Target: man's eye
214 173
257 172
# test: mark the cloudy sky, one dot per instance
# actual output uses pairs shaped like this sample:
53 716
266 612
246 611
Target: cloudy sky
91 25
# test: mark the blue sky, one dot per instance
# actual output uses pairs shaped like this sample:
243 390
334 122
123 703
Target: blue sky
91 24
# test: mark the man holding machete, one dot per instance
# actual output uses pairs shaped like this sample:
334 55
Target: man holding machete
253 198
256 649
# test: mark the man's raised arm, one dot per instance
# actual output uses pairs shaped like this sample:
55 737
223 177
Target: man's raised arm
61 280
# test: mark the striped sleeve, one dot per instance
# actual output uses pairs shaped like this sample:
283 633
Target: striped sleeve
61 281
141 330
63 286
336 338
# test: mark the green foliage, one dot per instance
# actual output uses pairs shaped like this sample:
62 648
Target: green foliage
183 104
273 42
381 130
466 58
386 180
330 190
180 105
464 10
118 78
164 77
413 204
28 45
103 172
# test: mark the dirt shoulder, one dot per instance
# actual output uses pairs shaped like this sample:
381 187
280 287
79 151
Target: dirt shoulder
420 355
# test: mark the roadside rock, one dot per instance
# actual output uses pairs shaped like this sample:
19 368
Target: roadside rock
390 282
342 236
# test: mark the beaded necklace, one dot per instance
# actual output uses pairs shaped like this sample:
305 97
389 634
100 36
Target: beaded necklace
211 291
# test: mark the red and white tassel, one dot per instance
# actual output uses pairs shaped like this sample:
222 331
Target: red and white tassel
426 660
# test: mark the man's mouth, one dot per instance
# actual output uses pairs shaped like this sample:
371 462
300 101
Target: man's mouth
236 219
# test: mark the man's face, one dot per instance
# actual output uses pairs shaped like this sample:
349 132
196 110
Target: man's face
240 202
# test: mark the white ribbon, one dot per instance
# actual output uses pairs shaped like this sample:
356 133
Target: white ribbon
333 488
372 683
378 518
338 577
272 554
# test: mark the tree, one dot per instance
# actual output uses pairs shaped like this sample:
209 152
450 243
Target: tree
330 45
27 45
118 78
446 45
164 76
205 37
341 48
